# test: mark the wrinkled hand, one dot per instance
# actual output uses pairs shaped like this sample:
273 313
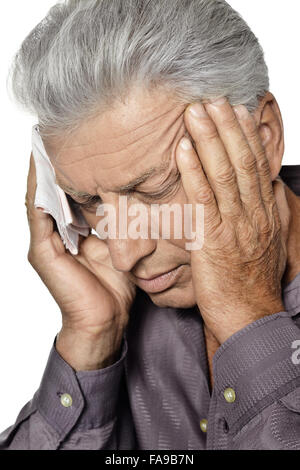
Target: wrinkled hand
237 273
93 297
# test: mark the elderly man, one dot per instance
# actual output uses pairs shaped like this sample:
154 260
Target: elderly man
161 347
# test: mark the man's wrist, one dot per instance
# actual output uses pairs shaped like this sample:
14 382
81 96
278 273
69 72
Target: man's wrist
257 364
94 394
240 317
83 352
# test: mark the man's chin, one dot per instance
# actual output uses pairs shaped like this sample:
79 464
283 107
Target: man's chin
175 297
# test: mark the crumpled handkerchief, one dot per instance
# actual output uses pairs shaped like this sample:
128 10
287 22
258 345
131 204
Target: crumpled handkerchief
52 199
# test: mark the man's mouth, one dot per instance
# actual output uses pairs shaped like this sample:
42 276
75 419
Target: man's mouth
161 282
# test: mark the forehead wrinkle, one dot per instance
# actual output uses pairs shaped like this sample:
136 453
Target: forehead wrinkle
152 171
176 126
97 155
157 170
121 135
96 144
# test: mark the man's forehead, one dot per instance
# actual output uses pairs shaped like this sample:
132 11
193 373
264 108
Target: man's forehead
144 116
120 149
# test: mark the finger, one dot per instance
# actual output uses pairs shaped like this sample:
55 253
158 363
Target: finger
250 131
94 249
238 150
283 207
82 238
31 182
40 224
195 184
214 159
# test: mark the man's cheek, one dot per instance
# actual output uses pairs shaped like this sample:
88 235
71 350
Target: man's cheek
179 243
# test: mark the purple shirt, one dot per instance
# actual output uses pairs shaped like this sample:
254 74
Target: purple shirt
157 394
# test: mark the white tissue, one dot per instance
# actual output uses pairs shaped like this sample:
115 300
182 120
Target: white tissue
52 199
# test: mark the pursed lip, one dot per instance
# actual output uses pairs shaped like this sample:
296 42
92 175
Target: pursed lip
160 282
155 276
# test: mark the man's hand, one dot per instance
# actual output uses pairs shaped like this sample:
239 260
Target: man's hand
237 273
93 297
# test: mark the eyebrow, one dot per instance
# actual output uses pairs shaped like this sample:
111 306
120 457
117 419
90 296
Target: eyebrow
152 171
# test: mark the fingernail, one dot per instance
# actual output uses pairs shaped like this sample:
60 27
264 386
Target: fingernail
218 101
198 110
185 143
241 111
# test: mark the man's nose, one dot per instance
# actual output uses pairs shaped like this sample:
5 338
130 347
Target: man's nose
125 249
125 254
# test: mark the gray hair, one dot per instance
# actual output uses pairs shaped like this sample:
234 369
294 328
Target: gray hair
86 55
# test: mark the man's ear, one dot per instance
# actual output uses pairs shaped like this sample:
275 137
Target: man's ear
270 126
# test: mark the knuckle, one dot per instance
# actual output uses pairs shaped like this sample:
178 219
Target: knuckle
207 130
28 202
226 176
263 166
248 162
260 213
275 213
194 165
30 257
30 216
250 129
261 220
204 194
87 248
261 156
229 123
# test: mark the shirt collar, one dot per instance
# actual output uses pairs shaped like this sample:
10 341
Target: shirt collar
291 296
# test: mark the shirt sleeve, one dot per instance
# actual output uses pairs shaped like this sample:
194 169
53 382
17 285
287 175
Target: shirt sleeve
75 410
256 397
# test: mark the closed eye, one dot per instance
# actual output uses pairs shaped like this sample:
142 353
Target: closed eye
167 191
89 203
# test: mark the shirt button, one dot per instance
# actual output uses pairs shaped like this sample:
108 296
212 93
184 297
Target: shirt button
229 395
66 400
203 425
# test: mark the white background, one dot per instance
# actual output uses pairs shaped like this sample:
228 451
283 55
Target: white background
30 318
